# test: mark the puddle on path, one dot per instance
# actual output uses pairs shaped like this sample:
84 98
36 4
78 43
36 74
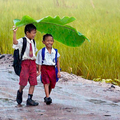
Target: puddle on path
95 101
5 102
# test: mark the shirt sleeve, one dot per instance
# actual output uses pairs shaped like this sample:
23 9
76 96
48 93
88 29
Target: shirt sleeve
39 58
19 45
58 55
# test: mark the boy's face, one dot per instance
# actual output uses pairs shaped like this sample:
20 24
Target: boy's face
31 34
48 42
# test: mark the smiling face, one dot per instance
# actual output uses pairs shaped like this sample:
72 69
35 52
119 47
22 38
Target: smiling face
48 42
30 31
31 34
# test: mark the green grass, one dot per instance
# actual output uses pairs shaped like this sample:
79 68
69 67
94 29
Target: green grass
98 59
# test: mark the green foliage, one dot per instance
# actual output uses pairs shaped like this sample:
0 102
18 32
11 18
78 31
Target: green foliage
55 26
112 81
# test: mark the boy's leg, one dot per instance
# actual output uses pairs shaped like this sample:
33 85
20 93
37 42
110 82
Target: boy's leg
33 81
21 88
46 88
23 81
50 89
19 94
31 89
30 95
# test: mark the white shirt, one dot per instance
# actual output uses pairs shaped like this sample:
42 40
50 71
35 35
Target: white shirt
26 53
49 58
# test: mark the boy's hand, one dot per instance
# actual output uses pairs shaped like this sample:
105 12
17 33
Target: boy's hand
14 35
14 29
38 74
58 75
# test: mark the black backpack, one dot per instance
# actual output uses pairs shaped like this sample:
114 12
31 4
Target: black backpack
17 60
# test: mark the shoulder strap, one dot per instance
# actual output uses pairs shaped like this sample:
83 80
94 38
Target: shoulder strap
56 56
24 46
34 41
43 54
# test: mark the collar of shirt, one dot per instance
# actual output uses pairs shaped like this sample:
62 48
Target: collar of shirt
52 51
30 41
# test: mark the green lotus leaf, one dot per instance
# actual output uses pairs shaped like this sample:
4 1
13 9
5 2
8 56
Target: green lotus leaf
56 20
64 34
15 21
25 20
57 27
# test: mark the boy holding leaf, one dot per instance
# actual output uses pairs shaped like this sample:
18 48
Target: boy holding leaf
28 65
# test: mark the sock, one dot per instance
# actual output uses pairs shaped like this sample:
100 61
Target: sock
30 96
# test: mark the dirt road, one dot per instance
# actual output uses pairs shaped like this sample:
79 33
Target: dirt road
74 98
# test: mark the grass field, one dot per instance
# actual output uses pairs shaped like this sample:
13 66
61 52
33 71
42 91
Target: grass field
98 20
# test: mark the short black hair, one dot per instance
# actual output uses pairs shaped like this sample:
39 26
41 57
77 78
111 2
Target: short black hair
46 35
29 28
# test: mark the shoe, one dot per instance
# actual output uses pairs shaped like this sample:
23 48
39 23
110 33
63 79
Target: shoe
31 102
19 97
48 100
44 99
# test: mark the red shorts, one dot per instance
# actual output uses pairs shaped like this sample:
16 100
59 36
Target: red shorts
48 75
28 73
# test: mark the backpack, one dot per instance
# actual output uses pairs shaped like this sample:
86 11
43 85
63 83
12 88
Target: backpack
43 58
18 60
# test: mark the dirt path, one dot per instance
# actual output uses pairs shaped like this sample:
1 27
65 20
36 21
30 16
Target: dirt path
74 98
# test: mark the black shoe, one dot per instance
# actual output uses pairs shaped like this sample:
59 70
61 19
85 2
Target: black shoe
48 100
31 102
44 99
19 97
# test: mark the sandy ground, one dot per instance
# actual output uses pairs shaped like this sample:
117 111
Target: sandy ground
74 98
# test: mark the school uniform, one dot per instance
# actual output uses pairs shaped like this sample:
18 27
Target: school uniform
48 74
28 65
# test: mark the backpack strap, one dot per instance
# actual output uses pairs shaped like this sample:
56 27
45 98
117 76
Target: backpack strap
23 47
56 56
34 41
43 54
56 69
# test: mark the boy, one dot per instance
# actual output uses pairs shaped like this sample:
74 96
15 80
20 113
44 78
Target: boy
28 65
47 67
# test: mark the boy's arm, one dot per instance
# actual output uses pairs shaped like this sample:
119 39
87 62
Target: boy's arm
58 67
14 36
39 70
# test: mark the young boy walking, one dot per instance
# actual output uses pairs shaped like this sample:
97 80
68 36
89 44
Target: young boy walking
47 66
28 66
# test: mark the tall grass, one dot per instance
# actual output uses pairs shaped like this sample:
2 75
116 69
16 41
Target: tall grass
99 20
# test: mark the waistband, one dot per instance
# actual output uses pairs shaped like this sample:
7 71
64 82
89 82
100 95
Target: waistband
48 65
28 60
